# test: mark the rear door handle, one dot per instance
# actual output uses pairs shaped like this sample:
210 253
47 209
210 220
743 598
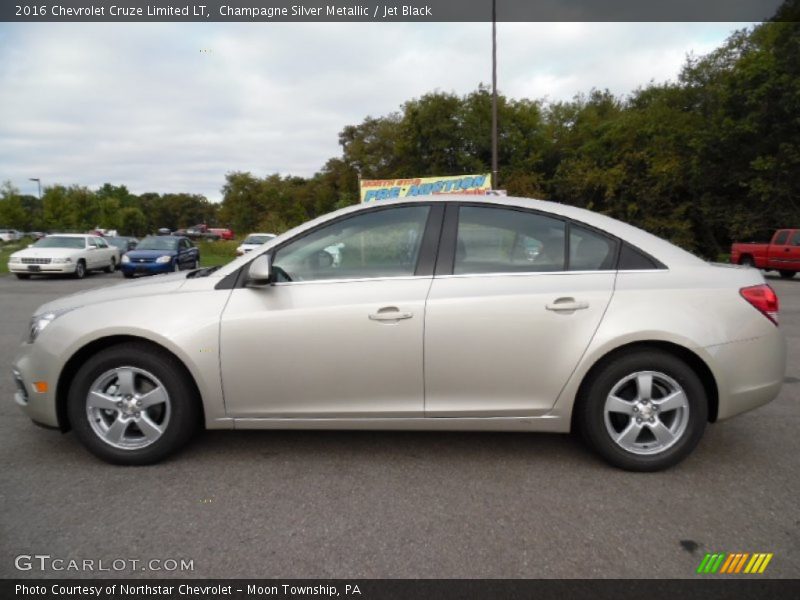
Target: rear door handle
390 313
566 305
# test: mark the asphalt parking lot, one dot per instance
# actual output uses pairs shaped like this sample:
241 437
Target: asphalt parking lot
381 504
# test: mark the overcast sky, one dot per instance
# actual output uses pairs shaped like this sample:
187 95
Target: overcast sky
172 107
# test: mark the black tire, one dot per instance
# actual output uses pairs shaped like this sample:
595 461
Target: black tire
786 274
127 275
184 408
590 409
112 266
80 269
177 266
747 261
22 275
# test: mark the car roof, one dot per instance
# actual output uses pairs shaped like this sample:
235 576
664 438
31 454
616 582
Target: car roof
75 235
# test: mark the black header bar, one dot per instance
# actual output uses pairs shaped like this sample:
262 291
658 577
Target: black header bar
382 11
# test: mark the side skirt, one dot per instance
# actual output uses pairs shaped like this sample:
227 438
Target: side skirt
551 423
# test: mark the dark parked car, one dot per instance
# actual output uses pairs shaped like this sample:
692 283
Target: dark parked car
123 243
160 254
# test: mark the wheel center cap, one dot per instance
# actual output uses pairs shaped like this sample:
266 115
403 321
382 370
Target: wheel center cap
646 410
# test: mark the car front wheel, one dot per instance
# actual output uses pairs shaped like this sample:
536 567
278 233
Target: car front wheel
786 274
132 404
80 269
644 410
112 266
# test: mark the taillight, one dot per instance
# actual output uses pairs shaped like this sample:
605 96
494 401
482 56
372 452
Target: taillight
764 299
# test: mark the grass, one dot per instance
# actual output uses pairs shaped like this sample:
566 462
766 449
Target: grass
8 248
217 253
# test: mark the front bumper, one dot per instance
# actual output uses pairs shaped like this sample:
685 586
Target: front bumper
151 268
51 269
31 365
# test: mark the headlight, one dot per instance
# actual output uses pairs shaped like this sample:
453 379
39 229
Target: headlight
15 259
163 259
39 322
125 259
61 261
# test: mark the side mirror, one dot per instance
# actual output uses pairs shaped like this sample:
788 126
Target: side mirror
260 271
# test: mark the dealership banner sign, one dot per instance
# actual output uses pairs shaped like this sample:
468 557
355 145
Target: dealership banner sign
391 189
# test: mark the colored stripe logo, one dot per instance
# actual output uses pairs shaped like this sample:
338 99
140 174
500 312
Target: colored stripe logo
736 562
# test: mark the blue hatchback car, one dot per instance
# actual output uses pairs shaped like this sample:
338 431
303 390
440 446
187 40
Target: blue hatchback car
160 254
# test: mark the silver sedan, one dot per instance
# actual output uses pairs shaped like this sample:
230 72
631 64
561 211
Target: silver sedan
443 313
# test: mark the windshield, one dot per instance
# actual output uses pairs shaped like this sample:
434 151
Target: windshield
258 239
158 243
60 241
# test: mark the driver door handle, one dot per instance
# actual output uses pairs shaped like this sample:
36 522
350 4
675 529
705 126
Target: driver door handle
566 305
389 313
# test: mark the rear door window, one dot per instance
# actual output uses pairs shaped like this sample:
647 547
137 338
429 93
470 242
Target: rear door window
590 250
500 240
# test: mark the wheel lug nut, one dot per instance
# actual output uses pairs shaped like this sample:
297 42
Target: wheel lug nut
651 419
138 403
638 419
635 409
136 414
119 404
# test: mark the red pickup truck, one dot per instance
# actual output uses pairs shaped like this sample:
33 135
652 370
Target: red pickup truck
782 254
204 232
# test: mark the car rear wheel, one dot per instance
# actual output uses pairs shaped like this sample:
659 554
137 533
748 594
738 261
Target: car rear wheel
643 411
132 404
80 269
747 261
786 274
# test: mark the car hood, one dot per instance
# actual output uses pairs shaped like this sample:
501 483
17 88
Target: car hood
46 252
159 284
133 254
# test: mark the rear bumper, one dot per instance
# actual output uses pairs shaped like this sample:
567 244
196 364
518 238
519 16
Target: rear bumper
750 373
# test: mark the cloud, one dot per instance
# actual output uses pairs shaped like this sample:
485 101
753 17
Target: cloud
173 106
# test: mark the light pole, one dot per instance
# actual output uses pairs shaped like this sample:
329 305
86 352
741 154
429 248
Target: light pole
39 182
494 95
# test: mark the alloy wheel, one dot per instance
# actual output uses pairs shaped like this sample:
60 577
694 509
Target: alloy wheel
128 408
646 412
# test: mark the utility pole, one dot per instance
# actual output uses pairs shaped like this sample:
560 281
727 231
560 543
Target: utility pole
495 182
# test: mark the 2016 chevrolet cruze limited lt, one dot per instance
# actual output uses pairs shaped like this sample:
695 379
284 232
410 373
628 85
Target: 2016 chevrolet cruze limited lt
440 314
